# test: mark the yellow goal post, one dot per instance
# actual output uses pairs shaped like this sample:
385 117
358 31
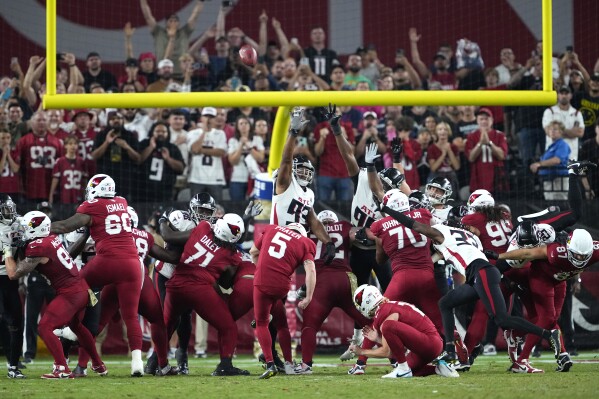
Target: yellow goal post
287 99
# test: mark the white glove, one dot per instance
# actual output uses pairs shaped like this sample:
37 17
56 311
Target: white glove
297 120
371 153
253 209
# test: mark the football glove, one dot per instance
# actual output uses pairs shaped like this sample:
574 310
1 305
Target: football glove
371 153
396 149
329 252
491 254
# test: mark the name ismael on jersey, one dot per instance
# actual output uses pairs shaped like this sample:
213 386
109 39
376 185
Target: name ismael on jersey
115 207
395 223
209 244
333 227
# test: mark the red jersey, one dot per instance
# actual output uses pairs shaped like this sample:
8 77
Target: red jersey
434 152
143 242
281 252
60 269
86 146
247 268
408 314
70 174
202 261
111 227
559 267
339 233
331 162
60 134
482 170
406 248
38 156
494 236
9 181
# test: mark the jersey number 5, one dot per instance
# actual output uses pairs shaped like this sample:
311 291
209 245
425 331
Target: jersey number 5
278 245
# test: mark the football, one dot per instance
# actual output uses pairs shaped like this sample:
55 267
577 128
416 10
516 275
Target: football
248 55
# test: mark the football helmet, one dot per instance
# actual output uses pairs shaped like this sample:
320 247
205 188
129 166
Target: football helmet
202 207
303 170
297 227
480 198
133 216
229 228
367 298
35 224
327 216
391 178
181 220
419 200
527 235
396 200
100 186
439 183
8 209
455 215
580 248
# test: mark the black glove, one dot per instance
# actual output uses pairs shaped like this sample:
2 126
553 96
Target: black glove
377 202
362 238
491 254
301 293
329 252
165 215
333 119
396 149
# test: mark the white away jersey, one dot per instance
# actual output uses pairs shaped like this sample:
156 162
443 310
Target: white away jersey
207 169
363 207
89 249
293 205
460 247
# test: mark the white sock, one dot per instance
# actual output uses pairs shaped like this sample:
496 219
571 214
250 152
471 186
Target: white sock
136 357
403 366
358 336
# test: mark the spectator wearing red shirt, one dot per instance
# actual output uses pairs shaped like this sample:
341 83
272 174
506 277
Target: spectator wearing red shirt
68 174
86 134
38 151
9 165
332 175
486 149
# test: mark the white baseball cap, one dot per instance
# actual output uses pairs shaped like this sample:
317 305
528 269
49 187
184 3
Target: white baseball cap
208 111
165 63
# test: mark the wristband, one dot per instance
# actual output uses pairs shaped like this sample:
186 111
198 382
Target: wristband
396 159
336 129
293 132
370 167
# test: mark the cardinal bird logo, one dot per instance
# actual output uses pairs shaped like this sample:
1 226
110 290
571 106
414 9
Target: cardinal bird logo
234 229
96 181
359 297
36 221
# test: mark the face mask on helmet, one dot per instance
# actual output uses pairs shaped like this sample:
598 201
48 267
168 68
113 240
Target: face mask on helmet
303 170
229 228
366 299
100 186
439 190
35 224
327 217
455 215
133 216
526 235
580 248
8 209
202 207
396 200
391 178
419 200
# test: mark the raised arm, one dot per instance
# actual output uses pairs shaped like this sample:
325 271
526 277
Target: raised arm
374 182
262 33
70 224
147 13
418 64
128 31
281 36
195 14
286 168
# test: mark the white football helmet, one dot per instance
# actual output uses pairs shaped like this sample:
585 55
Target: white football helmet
181 220
229 228
580 248
367 298
35 224
100 186
546 233
485 201
396 200
133 216
8 209
327 216
297 227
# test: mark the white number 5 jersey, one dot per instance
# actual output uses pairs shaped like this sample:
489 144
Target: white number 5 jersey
460 247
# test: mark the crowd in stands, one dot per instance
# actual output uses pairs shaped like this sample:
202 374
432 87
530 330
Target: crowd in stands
155 154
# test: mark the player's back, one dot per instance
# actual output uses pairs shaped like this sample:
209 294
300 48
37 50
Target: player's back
281 251
559 266
111 226
408 314
293 205
60 269
143 242
494 236
459 246
406 248
340 235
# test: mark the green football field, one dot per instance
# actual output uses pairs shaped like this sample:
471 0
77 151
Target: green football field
486 380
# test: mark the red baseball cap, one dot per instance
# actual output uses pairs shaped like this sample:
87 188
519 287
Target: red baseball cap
144 56
485 111
82 111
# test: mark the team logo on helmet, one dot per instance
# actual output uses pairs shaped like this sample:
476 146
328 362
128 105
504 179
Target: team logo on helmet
234 229
36 221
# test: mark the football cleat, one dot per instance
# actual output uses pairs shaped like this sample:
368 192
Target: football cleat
512 345
564 363
167 370
580 168
278 362
450 358
554 342
477 351
15 373
228 371
269 372
524 367
151 364
462 366
460 348
183 369
399 373
357 369
303 368
201 355
80 372
289 368
489 350
101 370
444 370
182 362
59 372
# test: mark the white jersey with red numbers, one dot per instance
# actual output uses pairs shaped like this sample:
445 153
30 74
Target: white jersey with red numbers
293 205
143 242
111 226
460 247
363 208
